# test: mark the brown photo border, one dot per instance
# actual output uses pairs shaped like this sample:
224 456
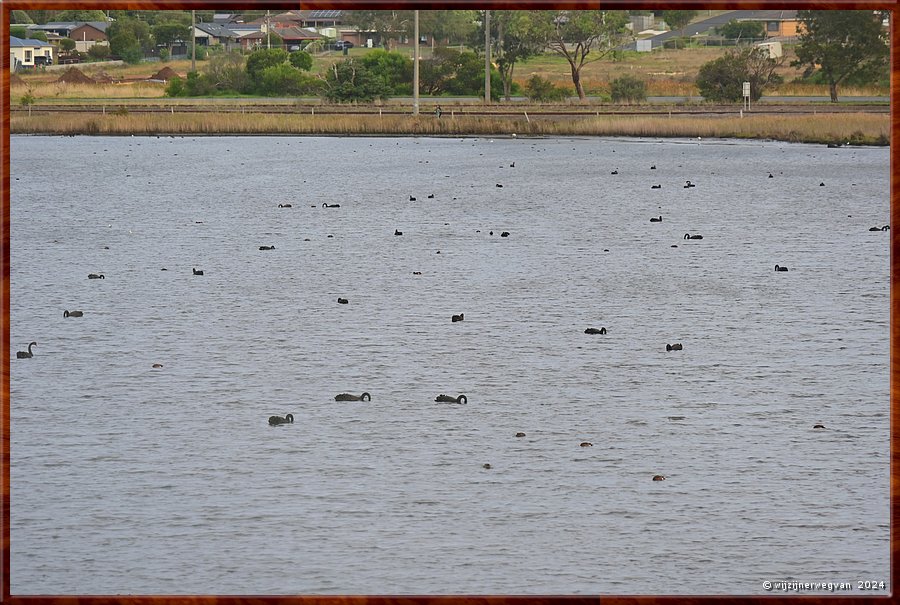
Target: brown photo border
879 598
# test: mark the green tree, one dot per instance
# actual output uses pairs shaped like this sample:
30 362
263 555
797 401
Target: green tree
722 80
575 35
67 44
301 60
38 35
678 20
628 89
513 39
263 58
842 43
19 17
543 90
170 33
81 15
349 81
736 30
129 38
389 25
452 25
395 69
18 31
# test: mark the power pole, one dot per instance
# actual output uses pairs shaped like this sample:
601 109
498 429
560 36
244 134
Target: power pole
193 41
268 29
416 66
487 57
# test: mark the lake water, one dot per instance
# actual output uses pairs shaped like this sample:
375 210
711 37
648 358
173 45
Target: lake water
130 479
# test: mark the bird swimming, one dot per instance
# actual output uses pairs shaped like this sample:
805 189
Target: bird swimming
349 397
688 185
675 347
276 420
267 247
196 272
504 234
96 276
659 477
397 232
595 331
447 399
689 236
284 205
342 301
586 444
324 205
26 354
459 317
655 186
780 268
656 220
68 313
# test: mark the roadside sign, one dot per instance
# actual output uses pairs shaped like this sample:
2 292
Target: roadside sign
746 89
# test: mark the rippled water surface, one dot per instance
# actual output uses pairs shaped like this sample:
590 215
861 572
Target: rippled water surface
129 479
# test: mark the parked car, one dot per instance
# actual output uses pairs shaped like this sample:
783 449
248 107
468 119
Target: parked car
342 44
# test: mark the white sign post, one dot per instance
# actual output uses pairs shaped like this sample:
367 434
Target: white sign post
747 94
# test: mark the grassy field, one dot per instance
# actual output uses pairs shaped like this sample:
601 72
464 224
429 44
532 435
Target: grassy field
667 72
856 128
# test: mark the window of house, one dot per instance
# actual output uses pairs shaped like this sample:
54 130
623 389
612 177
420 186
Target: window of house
772 26
27 56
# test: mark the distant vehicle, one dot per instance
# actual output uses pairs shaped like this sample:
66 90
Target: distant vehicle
342 44
294 48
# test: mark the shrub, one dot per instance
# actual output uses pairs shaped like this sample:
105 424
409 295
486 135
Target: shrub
628 89
394 68
735 29
175 87
722 80
98 52
301 60
286 80
67 44
543 90
164 54
349 81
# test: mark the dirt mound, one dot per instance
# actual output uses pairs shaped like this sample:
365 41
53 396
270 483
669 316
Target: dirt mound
165 74
74 75
102 77
15 79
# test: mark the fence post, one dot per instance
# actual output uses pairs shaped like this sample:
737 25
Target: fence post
526 117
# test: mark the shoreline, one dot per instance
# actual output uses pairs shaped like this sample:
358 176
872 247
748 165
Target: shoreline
849 128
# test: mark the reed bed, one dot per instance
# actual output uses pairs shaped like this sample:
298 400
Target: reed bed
60 90
857 128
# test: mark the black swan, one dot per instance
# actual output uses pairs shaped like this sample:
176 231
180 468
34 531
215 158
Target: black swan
595 331
343 301
447 399
324 205
26 354
349 397
689 236
656 220
276 420
655 186
267 247
196 272
459 317
397 232
780 268
675 347
73 313
284 205
688 185
96 276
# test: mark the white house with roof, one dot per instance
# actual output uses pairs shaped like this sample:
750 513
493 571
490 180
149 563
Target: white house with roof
25 54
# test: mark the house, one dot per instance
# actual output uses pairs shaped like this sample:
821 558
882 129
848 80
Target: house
88 34
778 23
296 37
25 54
208 34
321 18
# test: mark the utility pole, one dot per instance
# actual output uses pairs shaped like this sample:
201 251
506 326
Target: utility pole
416 66
487 57
268 29
193 41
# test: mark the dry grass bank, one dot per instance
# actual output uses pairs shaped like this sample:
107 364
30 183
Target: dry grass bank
857 128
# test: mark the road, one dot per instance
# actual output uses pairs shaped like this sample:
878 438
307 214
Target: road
695 28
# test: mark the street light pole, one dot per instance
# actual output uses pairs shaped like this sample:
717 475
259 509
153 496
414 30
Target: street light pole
193 41
268 30
416 66
487 57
